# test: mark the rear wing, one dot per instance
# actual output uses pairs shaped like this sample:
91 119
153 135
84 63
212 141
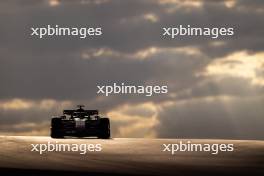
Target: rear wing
88 112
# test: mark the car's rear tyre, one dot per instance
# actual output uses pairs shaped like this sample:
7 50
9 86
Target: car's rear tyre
55 134
55 128
104 128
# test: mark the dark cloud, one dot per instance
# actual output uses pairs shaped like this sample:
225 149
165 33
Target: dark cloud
75 78
215 118
54 68
131 35
222 86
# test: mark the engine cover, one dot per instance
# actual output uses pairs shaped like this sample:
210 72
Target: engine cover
79 123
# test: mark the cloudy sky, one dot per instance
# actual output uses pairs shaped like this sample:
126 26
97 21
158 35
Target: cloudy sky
216 86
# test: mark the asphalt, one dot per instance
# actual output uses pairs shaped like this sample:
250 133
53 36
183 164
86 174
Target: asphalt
128 156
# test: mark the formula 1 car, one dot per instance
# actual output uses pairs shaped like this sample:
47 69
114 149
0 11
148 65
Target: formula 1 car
80 123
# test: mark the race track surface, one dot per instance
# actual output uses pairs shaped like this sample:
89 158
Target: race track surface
128 156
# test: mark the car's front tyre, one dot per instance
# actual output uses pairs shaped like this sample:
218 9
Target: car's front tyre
104 128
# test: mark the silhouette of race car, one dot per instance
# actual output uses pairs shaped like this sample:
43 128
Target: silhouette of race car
80 123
